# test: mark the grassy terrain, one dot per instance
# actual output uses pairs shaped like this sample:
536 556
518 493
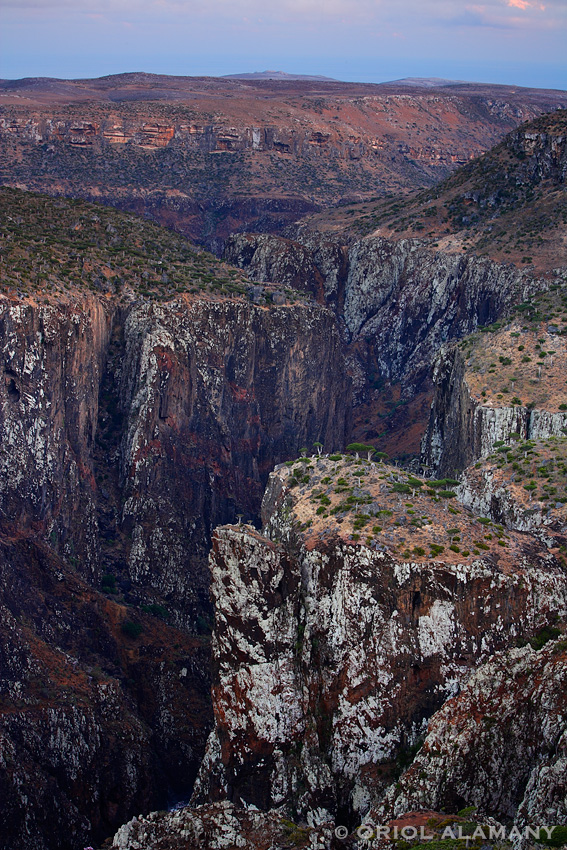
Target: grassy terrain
504 204
388 509
522 361
51 247
533 471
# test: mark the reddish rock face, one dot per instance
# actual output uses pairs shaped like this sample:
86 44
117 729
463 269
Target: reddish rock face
499 745
202 160
213 395
95 723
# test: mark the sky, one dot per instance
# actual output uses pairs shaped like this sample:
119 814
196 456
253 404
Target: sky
519 42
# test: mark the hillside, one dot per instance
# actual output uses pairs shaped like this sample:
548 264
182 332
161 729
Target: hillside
210 156
54 248
509 204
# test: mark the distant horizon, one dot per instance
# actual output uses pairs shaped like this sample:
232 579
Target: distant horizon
422 81
498 42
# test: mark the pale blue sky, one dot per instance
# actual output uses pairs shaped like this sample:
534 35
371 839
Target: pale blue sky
505 41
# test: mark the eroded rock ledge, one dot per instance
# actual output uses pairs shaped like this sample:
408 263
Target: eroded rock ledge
331 652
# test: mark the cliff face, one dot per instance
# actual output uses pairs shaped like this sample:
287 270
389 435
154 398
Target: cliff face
483 748
96 722
213 394
396 303
330 654
144 398
128 432
53 357
398 300
500 386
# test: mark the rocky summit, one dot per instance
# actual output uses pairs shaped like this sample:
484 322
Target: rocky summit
283 519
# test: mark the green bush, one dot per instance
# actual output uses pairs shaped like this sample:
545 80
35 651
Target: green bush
544 636
558 837
131 629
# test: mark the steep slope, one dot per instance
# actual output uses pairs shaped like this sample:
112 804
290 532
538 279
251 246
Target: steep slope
343 627
104 709
504 384
147 390
483 748
212 156
397 303
508 204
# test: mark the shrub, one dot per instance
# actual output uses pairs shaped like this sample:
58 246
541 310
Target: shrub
544 636
131 629
156 610
398 487
108 583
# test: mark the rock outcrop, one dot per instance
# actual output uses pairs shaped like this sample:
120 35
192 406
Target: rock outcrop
220 826
498 746
330 654
506 384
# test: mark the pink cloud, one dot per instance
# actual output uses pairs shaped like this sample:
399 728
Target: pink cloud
525 4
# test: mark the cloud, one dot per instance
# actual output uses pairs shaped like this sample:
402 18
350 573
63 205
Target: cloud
524 4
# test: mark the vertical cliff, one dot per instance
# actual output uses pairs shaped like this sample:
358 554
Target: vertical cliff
498 746
129 429
397 303
331 653
499 386
214 393
52 358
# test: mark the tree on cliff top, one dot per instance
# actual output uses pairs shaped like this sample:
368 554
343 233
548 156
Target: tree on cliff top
360 448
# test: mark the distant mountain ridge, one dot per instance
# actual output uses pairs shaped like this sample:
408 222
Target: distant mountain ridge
278 75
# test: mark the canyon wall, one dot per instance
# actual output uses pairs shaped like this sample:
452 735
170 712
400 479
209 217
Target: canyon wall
224 156
397 304
214 394
463 427
53 357
104 709
129 430
330 655
483 748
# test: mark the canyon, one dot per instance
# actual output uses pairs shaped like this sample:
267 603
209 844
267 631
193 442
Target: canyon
210 157
190 608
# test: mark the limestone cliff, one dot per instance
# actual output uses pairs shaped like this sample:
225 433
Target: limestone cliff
213 394
501 385
331 651
484 749
213 156
397 304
